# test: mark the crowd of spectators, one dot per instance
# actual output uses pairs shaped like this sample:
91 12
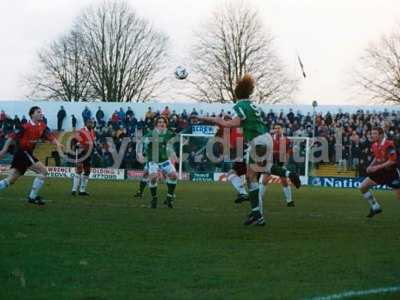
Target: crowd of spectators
355 129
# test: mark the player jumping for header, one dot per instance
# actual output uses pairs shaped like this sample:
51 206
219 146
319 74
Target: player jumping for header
260 145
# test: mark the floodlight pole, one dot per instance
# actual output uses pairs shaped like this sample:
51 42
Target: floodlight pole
314 105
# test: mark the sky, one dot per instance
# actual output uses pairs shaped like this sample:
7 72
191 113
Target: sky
329 35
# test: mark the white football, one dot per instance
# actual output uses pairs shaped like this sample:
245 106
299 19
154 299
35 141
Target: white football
181 73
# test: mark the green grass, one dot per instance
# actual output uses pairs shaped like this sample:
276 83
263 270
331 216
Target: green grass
109 246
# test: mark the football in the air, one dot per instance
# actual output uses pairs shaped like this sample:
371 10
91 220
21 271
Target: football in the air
181 73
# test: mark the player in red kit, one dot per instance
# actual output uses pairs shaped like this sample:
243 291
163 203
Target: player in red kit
384 169
25 140
281 151
85 139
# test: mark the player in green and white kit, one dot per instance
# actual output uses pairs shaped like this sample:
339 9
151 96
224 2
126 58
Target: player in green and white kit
158 153
260 150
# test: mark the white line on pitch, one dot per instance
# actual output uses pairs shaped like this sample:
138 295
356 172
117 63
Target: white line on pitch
350 294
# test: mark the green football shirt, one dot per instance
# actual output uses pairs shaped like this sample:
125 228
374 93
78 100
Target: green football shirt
251 120
156 145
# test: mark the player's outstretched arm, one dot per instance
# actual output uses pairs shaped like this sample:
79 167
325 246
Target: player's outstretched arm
235 122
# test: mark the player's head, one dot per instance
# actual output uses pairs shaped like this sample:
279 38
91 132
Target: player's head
35 113
244 87
161 123
278 128
89 123
377 134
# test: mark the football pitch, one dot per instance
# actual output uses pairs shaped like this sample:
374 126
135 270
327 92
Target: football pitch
111 246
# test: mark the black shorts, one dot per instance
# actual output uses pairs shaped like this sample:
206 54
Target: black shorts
23 160
389 177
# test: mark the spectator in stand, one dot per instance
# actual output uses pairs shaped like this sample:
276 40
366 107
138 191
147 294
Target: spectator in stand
60 118
129 112
86 114
129 157
115 121
24 120
17 122
355 153
74 121
100 116
323 130
194 112
290 116
121 115
174 114
141 124
3 117
184 114
166 112
149 115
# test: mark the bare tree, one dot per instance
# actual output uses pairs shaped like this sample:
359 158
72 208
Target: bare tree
378 71
63 72
233 43
112 55
125 53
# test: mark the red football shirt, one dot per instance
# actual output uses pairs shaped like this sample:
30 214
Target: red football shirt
280 144
86 137
384 151
235 133
30 133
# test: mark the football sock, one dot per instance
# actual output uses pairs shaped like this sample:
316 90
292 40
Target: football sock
371 200
36 186
237 183
253 196
75 182
153 190
4 183
171 184
143 184
287 191
84 182
261 194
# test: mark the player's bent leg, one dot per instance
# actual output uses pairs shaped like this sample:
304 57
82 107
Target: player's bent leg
365 186
142 186
237 183
10 180
38 182
153 190
261 192
255 215
144 181
263 153
76 180
172 180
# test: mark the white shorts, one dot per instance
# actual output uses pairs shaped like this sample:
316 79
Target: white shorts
264 140
165 167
